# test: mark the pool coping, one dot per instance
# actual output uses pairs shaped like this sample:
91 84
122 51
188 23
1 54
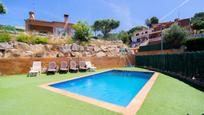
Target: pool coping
132 107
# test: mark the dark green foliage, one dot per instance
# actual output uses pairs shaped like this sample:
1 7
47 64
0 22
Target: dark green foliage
82 31
151 21
2 9
154 20
195 44
5 37
185 64
175 35
124 36
135 29
198 21
105 26
156 47
199 15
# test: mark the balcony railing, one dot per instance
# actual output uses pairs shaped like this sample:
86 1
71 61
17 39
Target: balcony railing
154 39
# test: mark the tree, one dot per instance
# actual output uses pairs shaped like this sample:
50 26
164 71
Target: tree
124 36
2 9
151 21
105 26
148 23
136 29
198 21
154 20
82 31
175 35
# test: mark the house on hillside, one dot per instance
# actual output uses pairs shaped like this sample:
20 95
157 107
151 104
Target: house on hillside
153 35
47 27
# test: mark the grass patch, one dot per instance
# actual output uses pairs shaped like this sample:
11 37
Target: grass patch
22 95
5 37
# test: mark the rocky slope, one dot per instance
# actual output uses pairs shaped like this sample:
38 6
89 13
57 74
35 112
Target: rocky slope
98 48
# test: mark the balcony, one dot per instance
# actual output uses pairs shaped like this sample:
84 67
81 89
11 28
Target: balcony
155 39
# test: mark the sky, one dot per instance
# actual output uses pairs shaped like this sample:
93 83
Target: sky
130 13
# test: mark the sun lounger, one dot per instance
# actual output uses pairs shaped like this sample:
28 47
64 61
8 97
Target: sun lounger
52 67
35 69
90 66
63 67
73 66
82 66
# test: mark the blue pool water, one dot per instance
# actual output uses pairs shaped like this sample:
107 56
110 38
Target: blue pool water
115 86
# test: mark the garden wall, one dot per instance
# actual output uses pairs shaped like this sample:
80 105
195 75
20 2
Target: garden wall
22 65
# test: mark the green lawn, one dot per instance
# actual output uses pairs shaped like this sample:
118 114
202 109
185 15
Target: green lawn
20 95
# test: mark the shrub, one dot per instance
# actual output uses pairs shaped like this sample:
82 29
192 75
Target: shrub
124 36
70 41
5 37
24 38
195 44
175 35
82 31
40 40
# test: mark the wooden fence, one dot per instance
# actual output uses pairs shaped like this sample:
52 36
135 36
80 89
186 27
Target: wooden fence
22 65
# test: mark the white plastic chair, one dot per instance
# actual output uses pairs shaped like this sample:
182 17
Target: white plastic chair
90 66
35 69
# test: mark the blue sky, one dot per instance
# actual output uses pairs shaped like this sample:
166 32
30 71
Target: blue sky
129 12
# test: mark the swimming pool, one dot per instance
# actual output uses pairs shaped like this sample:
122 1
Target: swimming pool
115 86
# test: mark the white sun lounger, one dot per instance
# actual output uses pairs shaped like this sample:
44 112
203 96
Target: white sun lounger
90 66
35 69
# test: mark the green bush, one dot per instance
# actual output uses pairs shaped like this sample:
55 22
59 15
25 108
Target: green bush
24 38
175 35
82 31
70 41
39 40
5 37
195 44
32 39
156 47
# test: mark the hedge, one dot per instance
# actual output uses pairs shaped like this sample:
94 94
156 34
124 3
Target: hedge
195 44
188 66
157 47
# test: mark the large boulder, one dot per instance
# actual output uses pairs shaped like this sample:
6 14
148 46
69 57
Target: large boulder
48 47
27 54
87 54
5 46
76 54
81 48
65 49
1 54
103 48
96 49
23 46
75 47
37 48
41 54
89 48
100 54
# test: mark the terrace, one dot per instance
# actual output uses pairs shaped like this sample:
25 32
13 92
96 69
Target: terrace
168 96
